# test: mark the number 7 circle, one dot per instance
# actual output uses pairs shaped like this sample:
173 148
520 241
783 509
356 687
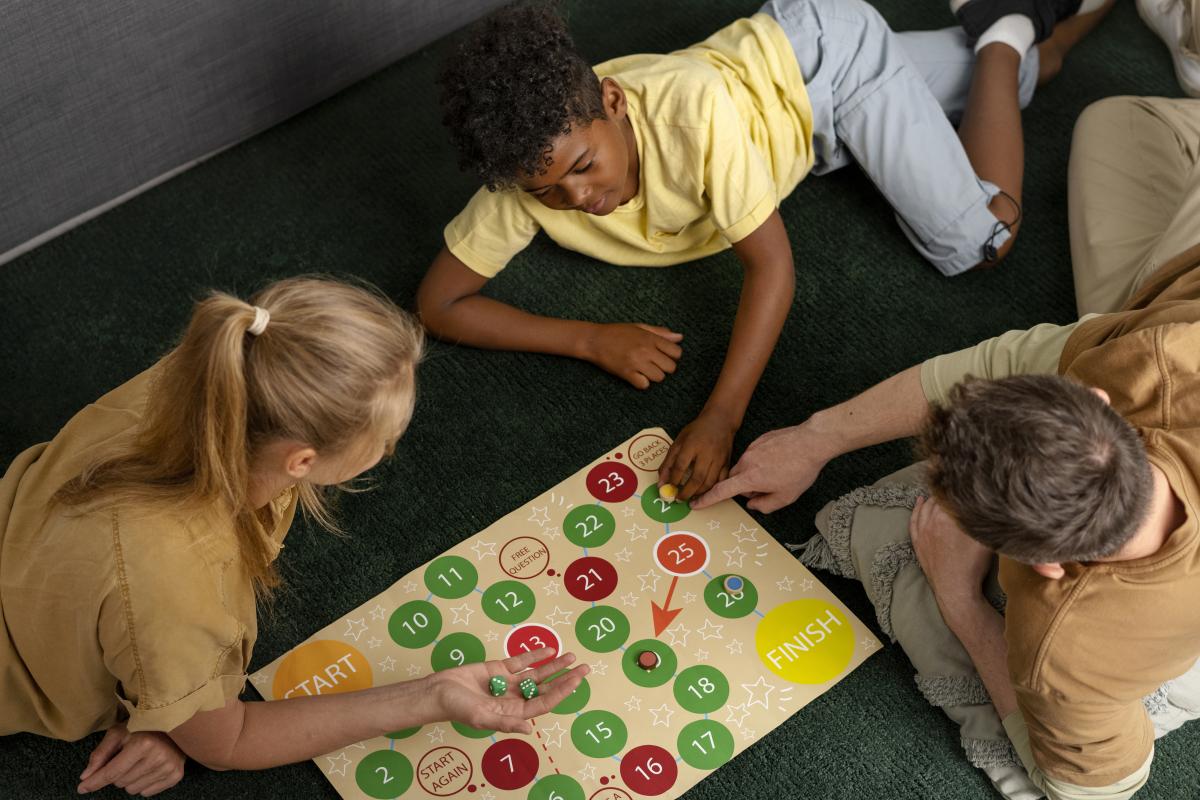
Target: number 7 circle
681 553
532 636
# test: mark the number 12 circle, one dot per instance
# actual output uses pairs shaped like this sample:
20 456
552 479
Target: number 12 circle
527 638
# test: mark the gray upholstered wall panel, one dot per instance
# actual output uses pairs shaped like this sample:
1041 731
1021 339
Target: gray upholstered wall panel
98 97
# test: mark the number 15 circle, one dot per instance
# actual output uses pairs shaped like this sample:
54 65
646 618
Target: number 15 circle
681 553
530 637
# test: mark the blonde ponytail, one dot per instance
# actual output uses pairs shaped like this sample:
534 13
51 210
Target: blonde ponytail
334 365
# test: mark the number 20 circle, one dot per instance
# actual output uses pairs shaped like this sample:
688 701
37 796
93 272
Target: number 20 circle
611 482
527 638
681 553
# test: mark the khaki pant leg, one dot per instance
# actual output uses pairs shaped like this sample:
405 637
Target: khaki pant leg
1133 194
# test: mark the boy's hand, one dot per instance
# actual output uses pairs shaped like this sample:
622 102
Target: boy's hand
142 763
641 354
700 456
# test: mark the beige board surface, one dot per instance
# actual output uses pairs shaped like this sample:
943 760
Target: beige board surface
601 566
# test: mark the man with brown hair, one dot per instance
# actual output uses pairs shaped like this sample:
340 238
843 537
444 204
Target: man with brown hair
1093 511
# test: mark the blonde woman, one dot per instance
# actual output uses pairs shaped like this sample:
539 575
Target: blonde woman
134 544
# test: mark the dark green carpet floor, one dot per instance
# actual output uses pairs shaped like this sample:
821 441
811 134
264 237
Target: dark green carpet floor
363 184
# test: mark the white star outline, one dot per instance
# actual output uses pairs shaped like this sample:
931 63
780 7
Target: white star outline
479 548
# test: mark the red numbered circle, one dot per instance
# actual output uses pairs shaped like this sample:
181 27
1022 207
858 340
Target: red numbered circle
527 638
510 764
590 578
647 769
681 553
611 482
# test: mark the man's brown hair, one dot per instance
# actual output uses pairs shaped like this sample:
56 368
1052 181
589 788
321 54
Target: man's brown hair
1038 467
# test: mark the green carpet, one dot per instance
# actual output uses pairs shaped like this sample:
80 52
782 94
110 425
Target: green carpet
363 184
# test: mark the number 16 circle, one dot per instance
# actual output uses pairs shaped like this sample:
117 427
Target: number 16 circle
681 553
649 769
527 638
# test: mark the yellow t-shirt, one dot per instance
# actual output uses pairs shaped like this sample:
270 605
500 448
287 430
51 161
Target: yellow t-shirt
110 608
724 132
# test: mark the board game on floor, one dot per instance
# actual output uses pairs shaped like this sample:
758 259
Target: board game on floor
732 633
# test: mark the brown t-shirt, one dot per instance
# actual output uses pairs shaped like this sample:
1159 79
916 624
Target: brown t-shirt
115 611
1090 646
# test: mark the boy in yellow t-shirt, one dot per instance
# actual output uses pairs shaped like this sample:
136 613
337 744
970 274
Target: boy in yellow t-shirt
651 160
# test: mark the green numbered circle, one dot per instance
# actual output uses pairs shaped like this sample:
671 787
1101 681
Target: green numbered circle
705 744
731 605
403 734
457 649
589 526
602 629
659 509
508 602
576 700
599 734
451 577
701 689
415 624
469 732
556 787
667 663
384 774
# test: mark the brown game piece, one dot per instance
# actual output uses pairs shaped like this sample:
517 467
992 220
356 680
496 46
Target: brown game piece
647 659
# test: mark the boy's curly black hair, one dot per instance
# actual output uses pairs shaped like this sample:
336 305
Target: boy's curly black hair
514 85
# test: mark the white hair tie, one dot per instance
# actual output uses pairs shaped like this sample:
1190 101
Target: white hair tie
261 318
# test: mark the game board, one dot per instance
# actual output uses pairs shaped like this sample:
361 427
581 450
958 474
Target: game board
602 566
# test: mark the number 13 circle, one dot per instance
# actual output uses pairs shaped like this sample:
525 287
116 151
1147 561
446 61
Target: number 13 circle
530 637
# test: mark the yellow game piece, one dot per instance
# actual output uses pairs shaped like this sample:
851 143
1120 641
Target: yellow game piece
668 492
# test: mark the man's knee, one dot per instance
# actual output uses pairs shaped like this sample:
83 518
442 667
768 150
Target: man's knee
1107 121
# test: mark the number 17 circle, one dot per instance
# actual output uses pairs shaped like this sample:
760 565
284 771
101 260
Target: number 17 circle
527 638
681 553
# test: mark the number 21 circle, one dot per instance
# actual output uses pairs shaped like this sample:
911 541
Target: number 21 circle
649 769
590 578
527 638
611 482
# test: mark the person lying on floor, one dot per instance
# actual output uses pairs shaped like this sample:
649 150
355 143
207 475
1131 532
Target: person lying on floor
658 159
134 545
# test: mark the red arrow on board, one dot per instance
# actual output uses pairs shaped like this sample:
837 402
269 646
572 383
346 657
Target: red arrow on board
664 614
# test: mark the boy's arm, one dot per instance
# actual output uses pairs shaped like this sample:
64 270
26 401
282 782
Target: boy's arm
452 308
703 447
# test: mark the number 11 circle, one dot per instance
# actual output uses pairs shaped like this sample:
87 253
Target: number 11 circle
527 638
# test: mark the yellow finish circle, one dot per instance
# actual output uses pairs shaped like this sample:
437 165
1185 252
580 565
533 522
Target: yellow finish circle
805 641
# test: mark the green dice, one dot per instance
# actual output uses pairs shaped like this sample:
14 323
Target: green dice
498 686
529 689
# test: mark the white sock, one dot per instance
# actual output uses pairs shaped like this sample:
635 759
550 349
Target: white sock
1088 6
1014 30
